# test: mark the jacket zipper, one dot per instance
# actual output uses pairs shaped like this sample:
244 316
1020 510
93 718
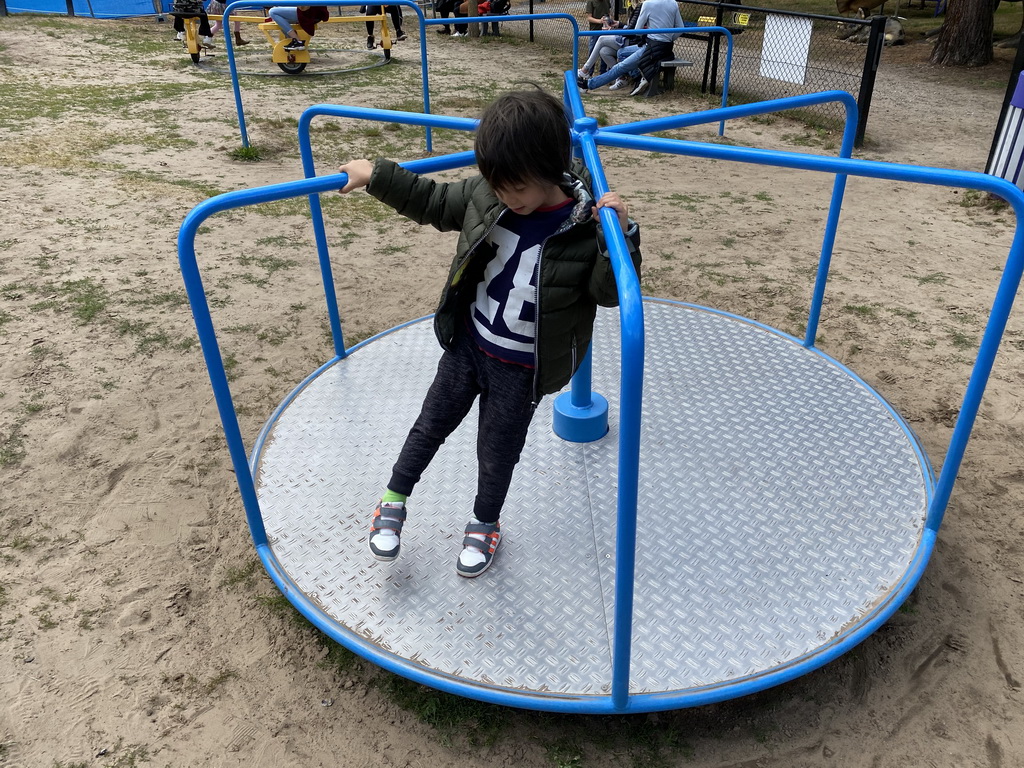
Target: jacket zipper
469 256
537 313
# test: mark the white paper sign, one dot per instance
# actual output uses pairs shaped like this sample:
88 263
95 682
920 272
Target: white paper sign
787 40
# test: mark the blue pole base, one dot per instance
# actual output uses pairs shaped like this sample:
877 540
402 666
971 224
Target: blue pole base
580 425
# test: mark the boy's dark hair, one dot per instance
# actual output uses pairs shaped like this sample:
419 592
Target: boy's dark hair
523 137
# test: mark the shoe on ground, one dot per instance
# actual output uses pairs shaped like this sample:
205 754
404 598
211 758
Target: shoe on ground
207 42
619 84
582 83
640 88
444 31
460 34
239 40
386 530
477 556
401 36
295 45
369 42
180 36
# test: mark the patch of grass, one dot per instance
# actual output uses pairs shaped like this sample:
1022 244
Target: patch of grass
86 297
217 681
248 154
907 314
972 198
240 575
341 658
12 446
866 311
962 340
161 299
133 756
479 724
146 341
937 278
270 263
565 755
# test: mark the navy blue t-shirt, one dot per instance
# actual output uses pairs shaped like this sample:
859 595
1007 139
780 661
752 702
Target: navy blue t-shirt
503 313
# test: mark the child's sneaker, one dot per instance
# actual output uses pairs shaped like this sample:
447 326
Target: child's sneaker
295 45
180 36
369 42
477 555
582 74
386 530
207 42
619 84
400 37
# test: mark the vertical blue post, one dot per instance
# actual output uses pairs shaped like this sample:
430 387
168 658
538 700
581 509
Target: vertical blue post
581 415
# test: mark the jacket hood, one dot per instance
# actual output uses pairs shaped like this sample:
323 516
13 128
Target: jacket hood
579 191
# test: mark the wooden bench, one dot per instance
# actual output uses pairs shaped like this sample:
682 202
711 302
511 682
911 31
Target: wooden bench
668 72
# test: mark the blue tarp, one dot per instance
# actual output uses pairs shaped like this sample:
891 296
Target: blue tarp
99 9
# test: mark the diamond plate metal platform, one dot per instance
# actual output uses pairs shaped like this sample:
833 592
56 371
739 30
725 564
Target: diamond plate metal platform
781 501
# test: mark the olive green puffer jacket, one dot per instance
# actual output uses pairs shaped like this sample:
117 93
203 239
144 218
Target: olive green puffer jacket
575 271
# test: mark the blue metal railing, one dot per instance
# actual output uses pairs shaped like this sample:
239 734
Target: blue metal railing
589 138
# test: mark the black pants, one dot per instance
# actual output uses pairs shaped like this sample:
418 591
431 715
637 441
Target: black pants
204 24
394 11
506 408
446 8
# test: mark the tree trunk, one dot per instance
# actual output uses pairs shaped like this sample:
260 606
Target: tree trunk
965 39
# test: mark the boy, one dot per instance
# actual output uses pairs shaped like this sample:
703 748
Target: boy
517 312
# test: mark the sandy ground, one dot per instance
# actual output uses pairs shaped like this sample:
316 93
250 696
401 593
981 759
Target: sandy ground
136 625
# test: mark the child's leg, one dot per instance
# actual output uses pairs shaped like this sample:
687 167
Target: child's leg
608 51
448 400
395 12
592 59
204 25
506 409
284 18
